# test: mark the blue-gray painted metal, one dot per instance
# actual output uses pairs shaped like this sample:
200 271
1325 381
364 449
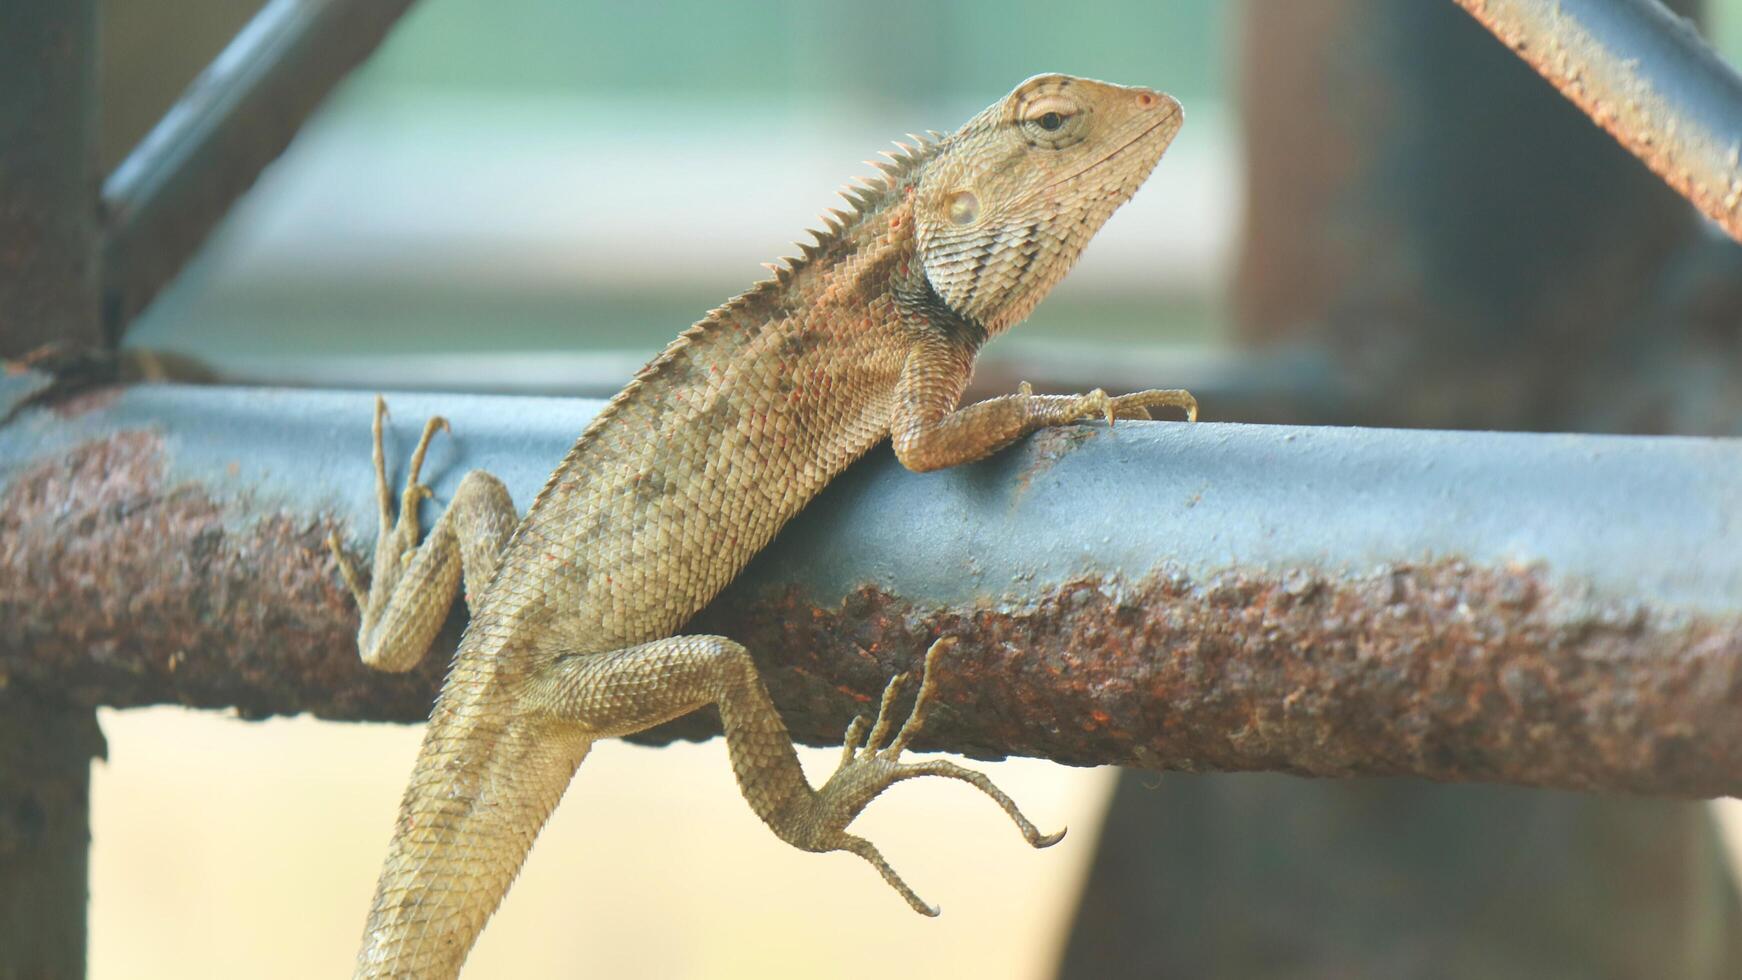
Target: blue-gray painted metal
1651 521
1666 51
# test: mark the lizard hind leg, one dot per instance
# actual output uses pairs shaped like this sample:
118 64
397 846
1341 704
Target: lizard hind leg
628 690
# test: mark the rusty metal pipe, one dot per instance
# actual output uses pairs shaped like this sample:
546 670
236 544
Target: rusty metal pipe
1645 76
1551 610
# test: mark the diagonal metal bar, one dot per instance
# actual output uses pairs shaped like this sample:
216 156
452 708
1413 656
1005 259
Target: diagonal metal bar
235 118
1551 610
1645 76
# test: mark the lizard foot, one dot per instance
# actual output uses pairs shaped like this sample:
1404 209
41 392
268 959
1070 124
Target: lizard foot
397 537
866 770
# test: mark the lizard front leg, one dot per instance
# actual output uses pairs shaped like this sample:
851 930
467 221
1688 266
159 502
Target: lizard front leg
413 585
930 433
630 690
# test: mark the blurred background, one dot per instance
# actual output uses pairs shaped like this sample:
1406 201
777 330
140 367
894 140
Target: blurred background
582 180
1373 215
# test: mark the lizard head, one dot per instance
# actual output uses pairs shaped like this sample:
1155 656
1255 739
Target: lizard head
1009 200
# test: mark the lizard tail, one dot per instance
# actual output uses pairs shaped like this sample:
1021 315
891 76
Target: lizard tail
465 826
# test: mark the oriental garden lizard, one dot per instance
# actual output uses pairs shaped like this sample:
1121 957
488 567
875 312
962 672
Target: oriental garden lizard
691 469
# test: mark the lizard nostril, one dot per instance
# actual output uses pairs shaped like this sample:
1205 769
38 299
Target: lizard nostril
1146 99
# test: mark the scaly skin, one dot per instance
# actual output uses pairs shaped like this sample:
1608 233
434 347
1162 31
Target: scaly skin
692 468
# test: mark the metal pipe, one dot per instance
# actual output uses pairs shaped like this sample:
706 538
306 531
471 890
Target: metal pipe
1645 76
233 120
1551 610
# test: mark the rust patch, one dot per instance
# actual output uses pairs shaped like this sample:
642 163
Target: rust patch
119 589
1045 449
1443 671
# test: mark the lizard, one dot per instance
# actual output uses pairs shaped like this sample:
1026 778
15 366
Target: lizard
869 335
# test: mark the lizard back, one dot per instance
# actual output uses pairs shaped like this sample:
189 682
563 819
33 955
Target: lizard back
691 469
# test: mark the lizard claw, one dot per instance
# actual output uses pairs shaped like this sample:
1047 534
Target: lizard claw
348 571
870 767
1138 403
415 492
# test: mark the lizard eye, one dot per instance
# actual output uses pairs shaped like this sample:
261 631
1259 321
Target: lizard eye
1053 121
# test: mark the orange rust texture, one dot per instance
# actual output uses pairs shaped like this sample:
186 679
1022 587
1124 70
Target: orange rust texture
1444 671
119 589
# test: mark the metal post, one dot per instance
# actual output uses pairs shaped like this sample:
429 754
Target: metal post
45 809
48 192
48 292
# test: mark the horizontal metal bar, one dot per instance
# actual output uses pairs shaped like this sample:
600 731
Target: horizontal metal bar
1555 610
1291 383
1643 74
233 120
